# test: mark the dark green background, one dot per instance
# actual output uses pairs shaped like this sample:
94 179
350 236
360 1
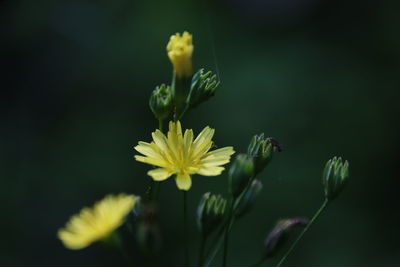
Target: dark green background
322 77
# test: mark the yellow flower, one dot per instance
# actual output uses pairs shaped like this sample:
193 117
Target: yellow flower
180 155
180 50
96 223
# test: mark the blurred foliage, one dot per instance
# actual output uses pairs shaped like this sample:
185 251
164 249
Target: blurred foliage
320 76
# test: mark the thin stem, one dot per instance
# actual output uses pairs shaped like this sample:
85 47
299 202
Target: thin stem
315 217
185 230
215 246
226 237
160 125
203 242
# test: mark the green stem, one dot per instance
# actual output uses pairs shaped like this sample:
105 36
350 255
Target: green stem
226 225
315 217
226 237
160 125
203 242
215 245
185 230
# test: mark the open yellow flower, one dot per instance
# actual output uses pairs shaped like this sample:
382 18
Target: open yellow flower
179 155
180 50
97 223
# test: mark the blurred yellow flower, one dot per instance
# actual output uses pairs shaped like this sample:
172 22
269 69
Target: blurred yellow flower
180 50
96 223
178 154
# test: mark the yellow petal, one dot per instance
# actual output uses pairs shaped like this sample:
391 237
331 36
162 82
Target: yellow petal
178 128
210 171
153 161
225 151
187 142
160 174
205 135
175 127
201 149
160 140
218 157
203 142
183 181
72 241
175 140
147 150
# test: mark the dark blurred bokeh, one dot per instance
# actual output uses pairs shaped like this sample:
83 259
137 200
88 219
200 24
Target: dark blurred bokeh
322 77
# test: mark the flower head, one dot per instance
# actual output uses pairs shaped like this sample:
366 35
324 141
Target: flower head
180 50
335 176
179 155
96 223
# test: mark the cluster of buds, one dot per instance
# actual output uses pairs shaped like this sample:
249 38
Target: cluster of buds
210 212
334 177
186 90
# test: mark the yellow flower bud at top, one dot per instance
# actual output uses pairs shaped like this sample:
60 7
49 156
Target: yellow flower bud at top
180 50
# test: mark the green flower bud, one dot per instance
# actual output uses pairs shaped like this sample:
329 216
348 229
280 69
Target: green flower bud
249 198
278 236
261 149
202 88
240 174
210 212
161 102
335 177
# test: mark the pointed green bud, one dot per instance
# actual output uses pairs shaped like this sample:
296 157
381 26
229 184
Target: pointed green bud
334 177
210 212
249 198
161 102
261 149
202 88
278 236
240 174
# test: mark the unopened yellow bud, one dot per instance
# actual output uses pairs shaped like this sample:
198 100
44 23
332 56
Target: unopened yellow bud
180 50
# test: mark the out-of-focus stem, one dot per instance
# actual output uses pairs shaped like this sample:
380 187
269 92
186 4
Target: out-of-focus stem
226 236
185 230
315 217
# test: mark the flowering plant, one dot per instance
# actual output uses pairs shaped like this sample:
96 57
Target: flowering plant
179 154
